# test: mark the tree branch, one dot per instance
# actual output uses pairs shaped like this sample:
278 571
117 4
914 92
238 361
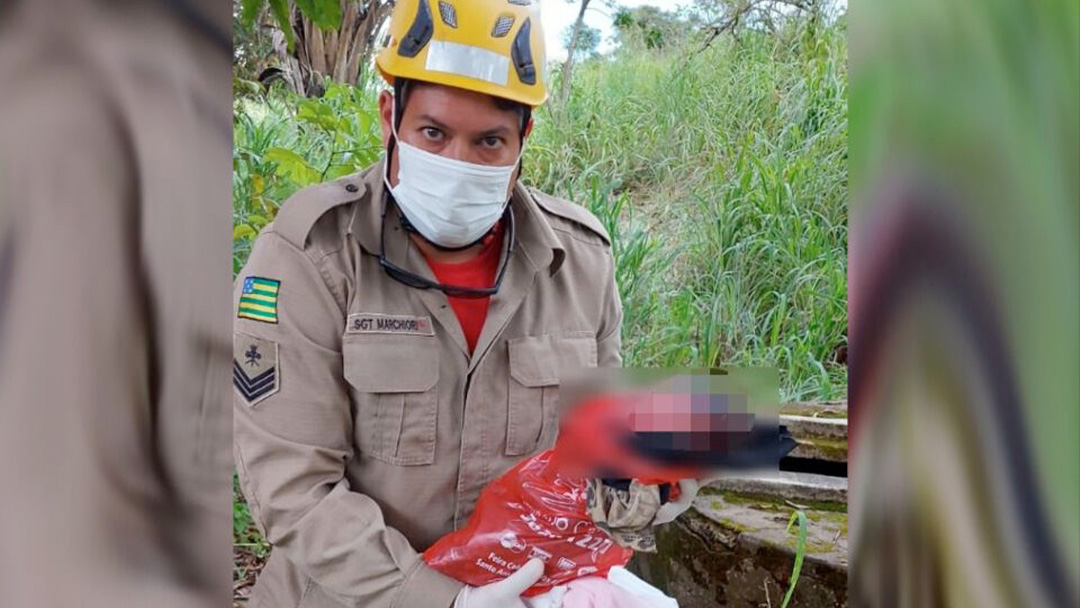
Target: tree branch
731 23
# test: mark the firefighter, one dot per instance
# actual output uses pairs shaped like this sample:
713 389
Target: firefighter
401 333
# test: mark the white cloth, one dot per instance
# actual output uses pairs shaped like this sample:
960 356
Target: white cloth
621 582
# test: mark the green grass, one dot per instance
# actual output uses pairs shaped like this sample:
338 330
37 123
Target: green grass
723 178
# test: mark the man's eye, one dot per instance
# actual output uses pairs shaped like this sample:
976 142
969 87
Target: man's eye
431 132
492 142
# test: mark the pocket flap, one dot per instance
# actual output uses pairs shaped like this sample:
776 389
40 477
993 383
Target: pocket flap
391 364
545 360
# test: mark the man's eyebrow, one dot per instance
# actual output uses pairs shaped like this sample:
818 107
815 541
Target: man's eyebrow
428 118
431 119
500 130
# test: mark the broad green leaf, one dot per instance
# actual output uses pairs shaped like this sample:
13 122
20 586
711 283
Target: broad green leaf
292 166
332 10
257 221
243 231
363 122
317 113
324 13
250 11
310 9
341 170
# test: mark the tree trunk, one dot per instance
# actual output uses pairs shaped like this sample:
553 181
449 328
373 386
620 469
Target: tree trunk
564 88
340 54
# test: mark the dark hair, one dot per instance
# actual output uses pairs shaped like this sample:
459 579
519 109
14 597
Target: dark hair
403 86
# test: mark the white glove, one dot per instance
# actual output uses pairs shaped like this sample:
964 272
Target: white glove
688 489
502 594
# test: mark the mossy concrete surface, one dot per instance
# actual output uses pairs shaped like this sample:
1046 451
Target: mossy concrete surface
820 409
815 491
820 429
733 550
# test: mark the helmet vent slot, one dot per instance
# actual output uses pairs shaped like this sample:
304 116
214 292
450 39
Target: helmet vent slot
502 26
419 33
521 54
448 14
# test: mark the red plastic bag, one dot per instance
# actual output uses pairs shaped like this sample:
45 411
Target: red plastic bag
531 511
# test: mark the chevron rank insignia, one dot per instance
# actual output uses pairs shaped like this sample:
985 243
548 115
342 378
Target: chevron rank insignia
255 368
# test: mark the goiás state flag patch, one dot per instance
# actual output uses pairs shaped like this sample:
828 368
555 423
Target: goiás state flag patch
255 368
258 299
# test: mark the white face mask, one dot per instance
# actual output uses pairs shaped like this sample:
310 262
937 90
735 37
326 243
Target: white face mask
451 202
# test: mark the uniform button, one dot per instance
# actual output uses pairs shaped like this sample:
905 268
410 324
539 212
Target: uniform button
351 187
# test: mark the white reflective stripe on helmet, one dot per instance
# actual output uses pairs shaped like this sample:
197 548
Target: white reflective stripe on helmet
467 60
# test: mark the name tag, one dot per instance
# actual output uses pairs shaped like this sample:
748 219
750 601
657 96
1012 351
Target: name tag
376 323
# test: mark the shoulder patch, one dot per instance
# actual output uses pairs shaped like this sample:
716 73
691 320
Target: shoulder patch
255 368
570 211
301 210
258 299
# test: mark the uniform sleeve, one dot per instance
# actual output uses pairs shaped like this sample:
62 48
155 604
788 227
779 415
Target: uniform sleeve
609 336
293 429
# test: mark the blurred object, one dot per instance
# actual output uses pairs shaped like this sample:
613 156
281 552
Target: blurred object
114 281
965 287
661 426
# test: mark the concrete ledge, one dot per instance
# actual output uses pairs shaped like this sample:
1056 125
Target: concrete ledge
801 488
824 409
820 429
732 549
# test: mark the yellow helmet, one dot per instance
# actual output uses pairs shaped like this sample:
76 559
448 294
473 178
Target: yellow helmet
494 47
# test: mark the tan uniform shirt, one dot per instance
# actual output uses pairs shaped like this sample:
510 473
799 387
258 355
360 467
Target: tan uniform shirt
364 429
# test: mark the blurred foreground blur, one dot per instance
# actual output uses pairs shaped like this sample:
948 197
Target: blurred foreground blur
663 425
965 332
114 304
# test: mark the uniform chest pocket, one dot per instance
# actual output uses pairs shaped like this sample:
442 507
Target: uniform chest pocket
394 382
537 366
